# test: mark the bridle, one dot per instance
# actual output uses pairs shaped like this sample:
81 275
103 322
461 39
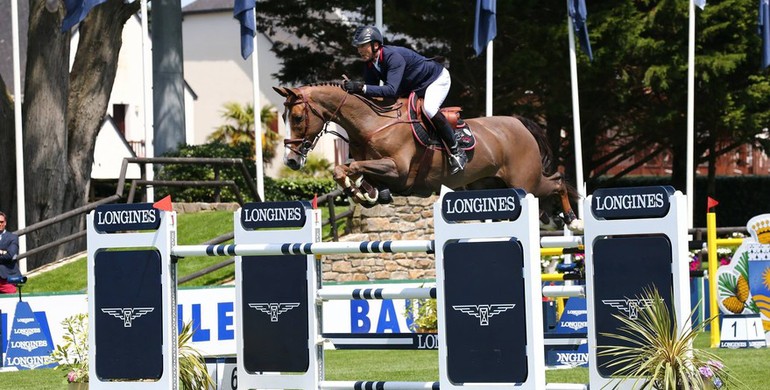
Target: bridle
303 146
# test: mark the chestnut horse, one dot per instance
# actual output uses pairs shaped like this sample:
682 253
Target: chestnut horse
509 152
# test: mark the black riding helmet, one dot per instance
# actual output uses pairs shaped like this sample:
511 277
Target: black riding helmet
366 34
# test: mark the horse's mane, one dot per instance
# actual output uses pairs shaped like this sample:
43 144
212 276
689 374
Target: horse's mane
326 84
378 106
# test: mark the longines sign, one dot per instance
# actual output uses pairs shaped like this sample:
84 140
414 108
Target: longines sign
119 217
631 202
273 214
502 204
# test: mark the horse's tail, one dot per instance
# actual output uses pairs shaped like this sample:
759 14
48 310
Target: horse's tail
546 155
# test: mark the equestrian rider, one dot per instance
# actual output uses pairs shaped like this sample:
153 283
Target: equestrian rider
402 72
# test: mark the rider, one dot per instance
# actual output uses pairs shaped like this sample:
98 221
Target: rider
403 71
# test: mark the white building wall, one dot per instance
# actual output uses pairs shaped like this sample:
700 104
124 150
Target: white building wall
215 70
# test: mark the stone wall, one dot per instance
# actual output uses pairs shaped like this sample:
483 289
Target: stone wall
407 218
195 207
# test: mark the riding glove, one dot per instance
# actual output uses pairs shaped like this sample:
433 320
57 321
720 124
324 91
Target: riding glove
353 86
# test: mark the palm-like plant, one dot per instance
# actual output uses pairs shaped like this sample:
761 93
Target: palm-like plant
239 128
192 368
658 353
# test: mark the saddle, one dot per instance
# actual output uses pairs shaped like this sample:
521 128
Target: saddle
425 133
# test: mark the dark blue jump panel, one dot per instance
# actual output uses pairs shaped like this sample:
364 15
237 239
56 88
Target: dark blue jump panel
625 267
485 312
129 318
275 313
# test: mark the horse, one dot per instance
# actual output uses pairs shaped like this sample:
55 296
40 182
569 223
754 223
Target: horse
510 151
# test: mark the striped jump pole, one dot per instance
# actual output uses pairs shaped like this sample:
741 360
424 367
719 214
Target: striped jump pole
306 248
375 385
379 293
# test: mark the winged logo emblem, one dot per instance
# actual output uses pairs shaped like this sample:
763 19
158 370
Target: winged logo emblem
484 312
127 314
273 309
629 306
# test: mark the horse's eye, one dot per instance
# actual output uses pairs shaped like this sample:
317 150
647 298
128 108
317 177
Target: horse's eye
296 118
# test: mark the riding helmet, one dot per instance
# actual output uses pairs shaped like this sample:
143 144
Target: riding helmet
366 34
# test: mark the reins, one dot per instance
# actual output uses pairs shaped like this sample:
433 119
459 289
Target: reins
303 146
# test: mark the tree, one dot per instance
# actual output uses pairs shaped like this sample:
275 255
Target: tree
239 128
62 112
633 95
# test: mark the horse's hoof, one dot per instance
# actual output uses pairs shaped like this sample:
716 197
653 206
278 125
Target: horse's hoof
576 226
385 197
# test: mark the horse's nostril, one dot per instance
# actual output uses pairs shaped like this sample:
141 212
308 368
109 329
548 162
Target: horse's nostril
293 164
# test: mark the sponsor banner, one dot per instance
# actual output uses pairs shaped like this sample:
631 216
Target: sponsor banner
567 358
113 218
30 344
631 202
574 319
273 215
503 204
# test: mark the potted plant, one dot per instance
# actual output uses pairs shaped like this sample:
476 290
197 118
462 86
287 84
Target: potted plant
659 354
424 315
73 354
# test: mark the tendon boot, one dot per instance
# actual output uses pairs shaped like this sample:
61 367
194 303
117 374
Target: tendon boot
455 155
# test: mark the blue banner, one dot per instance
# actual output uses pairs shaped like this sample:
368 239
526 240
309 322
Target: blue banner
485 28
30 344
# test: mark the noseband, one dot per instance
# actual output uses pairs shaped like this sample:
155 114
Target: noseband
303 146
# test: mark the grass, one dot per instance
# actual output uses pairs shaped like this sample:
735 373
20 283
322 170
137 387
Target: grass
748 365
193 228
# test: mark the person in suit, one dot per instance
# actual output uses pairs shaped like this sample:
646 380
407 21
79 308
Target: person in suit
9 249
402 72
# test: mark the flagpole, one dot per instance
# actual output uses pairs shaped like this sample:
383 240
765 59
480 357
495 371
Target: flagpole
576 114
691 116
260 166
21 214
378 14
147 102
490 75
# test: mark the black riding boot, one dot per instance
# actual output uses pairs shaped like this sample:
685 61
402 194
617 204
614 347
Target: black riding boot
455 155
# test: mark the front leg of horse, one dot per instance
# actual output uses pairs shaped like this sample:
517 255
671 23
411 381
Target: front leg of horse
352 179
570 219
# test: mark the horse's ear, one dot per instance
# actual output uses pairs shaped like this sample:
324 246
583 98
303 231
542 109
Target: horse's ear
281 91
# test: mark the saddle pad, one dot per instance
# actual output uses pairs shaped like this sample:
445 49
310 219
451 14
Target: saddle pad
429 138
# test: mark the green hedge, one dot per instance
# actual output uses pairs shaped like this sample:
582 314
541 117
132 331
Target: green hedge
740 197
275 189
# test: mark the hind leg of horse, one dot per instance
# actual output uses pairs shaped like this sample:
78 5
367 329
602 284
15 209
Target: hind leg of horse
352 179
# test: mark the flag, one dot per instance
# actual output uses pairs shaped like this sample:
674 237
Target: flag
164 204
700 3
243 10
578 12
485 29
77 11
710 203
764 31
314 202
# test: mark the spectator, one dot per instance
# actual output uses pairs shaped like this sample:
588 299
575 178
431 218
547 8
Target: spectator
9 249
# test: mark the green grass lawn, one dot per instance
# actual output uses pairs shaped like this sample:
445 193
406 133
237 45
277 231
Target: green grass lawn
748 365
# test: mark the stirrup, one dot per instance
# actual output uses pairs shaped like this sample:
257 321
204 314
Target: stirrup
457 161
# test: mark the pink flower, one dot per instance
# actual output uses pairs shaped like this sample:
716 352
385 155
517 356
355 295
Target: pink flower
716 364
706 371
72 376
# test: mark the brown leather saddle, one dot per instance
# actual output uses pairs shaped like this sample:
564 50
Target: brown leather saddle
425 133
